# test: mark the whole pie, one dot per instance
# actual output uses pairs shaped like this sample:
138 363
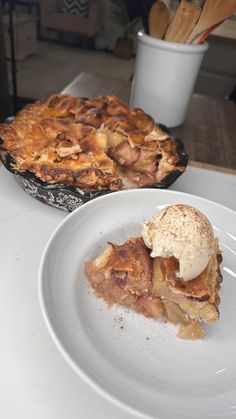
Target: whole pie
89 143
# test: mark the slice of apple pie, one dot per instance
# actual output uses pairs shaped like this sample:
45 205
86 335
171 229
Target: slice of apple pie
163 272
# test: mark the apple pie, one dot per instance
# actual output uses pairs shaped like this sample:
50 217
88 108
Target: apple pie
90 144
127 274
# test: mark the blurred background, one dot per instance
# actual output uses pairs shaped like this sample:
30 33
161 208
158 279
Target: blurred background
45 44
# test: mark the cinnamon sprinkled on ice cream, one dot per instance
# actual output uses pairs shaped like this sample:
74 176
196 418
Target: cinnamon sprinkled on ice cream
183 232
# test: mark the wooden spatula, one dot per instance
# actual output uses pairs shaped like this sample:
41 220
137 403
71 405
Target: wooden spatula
214 11
158 19
183 22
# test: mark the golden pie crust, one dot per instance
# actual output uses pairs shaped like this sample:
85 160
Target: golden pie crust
89 143
126 274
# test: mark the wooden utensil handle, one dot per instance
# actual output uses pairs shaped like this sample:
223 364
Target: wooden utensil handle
183 22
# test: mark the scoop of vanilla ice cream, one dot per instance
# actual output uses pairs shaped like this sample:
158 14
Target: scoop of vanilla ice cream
183 232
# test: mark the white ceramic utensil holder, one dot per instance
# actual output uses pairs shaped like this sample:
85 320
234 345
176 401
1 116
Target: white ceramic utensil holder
164 78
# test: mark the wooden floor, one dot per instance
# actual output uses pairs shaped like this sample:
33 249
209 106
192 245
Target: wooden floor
208 134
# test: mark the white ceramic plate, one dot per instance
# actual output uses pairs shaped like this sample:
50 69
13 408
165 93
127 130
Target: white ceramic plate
136 362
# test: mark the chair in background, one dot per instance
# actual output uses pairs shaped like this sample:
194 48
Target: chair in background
53 18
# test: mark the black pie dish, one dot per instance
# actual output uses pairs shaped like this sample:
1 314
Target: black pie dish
68 198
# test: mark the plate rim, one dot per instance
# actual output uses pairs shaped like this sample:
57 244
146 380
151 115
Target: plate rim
63 351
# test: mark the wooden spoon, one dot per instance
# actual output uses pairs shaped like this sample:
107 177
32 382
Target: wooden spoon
183 22
214 11
158 19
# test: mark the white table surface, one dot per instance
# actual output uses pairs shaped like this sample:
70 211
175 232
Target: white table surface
35 381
